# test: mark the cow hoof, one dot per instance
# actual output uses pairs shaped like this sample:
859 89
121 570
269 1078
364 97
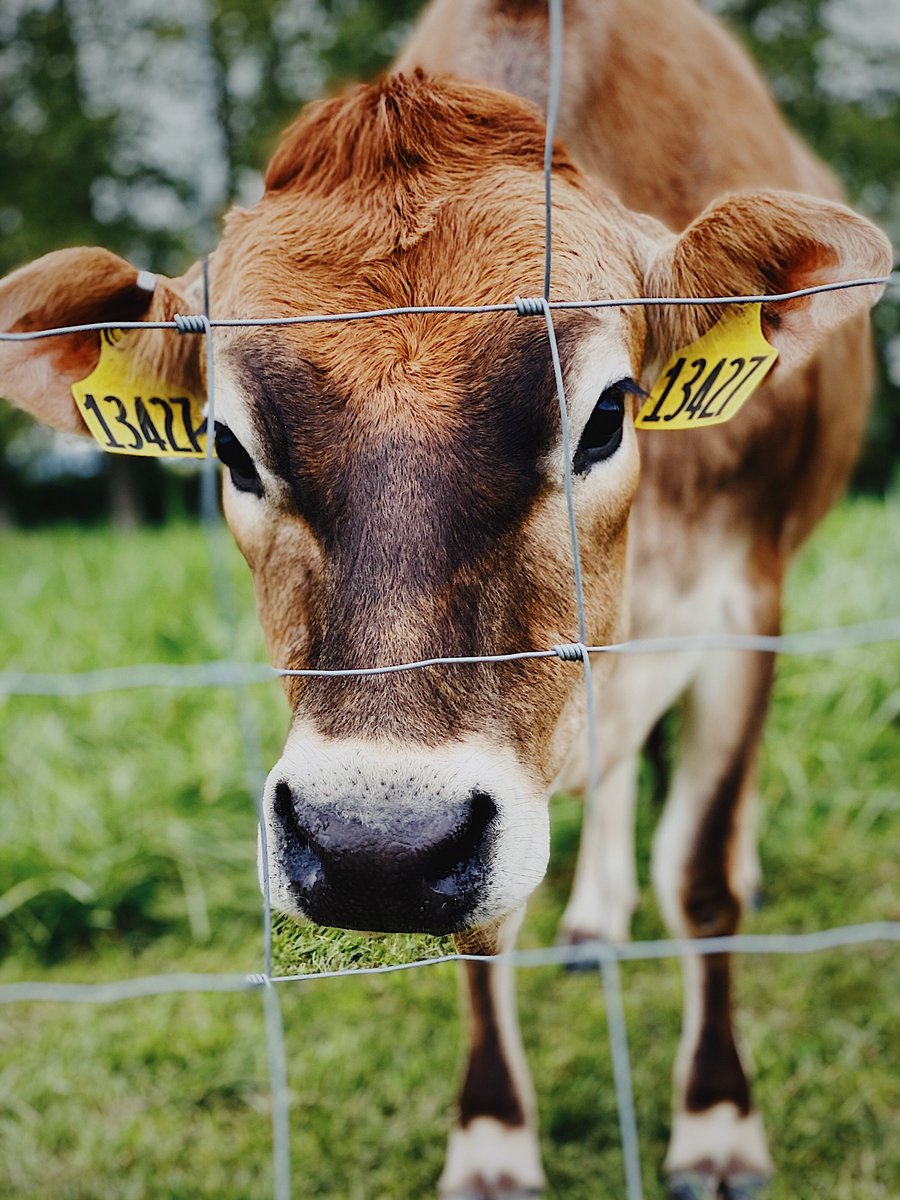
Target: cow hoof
494 1193
694 1185
744 1185
706 1183
581 965
580 944
718 1154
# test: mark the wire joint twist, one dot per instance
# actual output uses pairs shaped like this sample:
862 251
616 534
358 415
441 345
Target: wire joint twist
529 306
570 651
191 323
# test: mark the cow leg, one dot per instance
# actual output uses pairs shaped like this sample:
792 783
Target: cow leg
702 870
744 869
604 890
493 1151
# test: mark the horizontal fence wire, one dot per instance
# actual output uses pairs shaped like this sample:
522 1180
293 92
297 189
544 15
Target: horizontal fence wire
239 676
811 643
520 306
584 954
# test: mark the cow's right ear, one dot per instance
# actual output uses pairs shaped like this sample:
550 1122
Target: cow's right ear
78 287
767 243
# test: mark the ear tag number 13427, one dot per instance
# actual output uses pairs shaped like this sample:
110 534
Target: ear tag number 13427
128 412
707 382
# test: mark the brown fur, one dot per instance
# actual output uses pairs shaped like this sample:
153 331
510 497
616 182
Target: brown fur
436 415
488 1088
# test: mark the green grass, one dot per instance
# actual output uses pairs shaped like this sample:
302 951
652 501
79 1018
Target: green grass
128 848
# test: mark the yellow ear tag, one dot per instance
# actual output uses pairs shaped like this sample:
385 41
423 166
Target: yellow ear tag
708 381
129 412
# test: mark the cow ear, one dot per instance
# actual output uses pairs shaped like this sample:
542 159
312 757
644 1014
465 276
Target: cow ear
767 243
78 287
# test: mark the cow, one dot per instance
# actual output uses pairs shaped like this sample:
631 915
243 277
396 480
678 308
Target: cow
396 487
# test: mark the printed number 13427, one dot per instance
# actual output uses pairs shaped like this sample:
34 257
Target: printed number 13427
703 390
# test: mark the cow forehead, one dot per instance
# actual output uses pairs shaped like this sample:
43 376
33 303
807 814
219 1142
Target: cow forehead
428 367
487 411
458 393
479 242
415 192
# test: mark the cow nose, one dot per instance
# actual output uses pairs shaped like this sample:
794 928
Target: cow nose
402 872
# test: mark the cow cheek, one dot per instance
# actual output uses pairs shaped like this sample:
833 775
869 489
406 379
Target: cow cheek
551 707
285 562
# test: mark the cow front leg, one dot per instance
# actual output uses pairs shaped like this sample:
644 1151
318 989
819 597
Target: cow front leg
604 890
493 1151
700 871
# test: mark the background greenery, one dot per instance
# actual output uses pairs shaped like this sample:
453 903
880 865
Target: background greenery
128 848
128 842
134 125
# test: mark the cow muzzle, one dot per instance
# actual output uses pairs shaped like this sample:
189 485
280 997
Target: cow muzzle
374 838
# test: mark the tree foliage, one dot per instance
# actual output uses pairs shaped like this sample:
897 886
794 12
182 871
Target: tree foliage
835 67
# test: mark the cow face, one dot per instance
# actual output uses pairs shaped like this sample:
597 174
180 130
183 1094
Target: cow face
397 487
397 484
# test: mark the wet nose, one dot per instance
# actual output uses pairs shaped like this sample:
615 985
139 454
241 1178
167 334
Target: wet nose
386 869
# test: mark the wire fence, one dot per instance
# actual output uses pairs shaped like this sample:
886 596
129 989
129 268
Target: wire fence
240 676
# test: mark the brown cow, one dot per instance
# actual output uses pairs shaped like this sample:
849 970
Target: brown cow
396 487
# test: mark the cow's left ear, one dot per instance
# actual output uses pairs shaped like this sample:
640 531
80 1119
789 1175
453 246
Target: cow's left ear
78 287
767 243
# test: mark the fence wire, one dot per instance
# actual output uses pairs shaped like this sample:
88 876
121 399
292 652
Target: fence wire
225 673
251 747
522 306
241 676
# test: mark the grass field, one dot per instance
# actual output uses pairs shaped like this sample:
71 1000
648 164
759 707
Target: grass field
128 848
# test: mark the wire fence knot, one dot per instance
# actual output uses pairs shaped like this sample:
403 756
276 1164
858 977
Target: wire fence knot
529 306
258 980
570 651
191 323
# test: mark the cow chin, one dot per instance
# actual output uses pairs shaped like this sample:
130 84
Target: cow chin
382 837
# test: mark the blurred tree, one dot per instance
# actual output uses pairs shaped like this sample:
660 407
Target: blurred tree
835 67
51 149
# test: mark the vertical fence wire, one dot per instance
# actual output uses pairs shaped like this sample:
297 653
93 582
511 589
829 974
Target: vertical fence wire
621 1067
554 95
255 774
615 1010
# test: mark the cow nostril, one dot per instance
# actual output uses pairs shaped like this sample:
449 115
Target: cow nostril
452 866
302 856
285 811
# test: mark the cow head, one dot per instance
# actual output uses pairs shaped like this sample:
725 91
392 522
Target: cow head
396 484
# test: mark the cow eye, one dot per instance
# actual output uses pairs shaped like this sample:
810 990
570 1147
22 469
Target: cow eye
602 435
244 475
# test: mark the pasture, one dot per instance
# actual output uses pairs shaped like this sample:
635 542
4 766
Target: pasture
129 848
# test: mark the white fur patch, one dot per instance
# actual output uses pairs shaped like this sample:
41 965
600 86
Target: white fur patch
490 1157
721 1136
604 892
744 868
